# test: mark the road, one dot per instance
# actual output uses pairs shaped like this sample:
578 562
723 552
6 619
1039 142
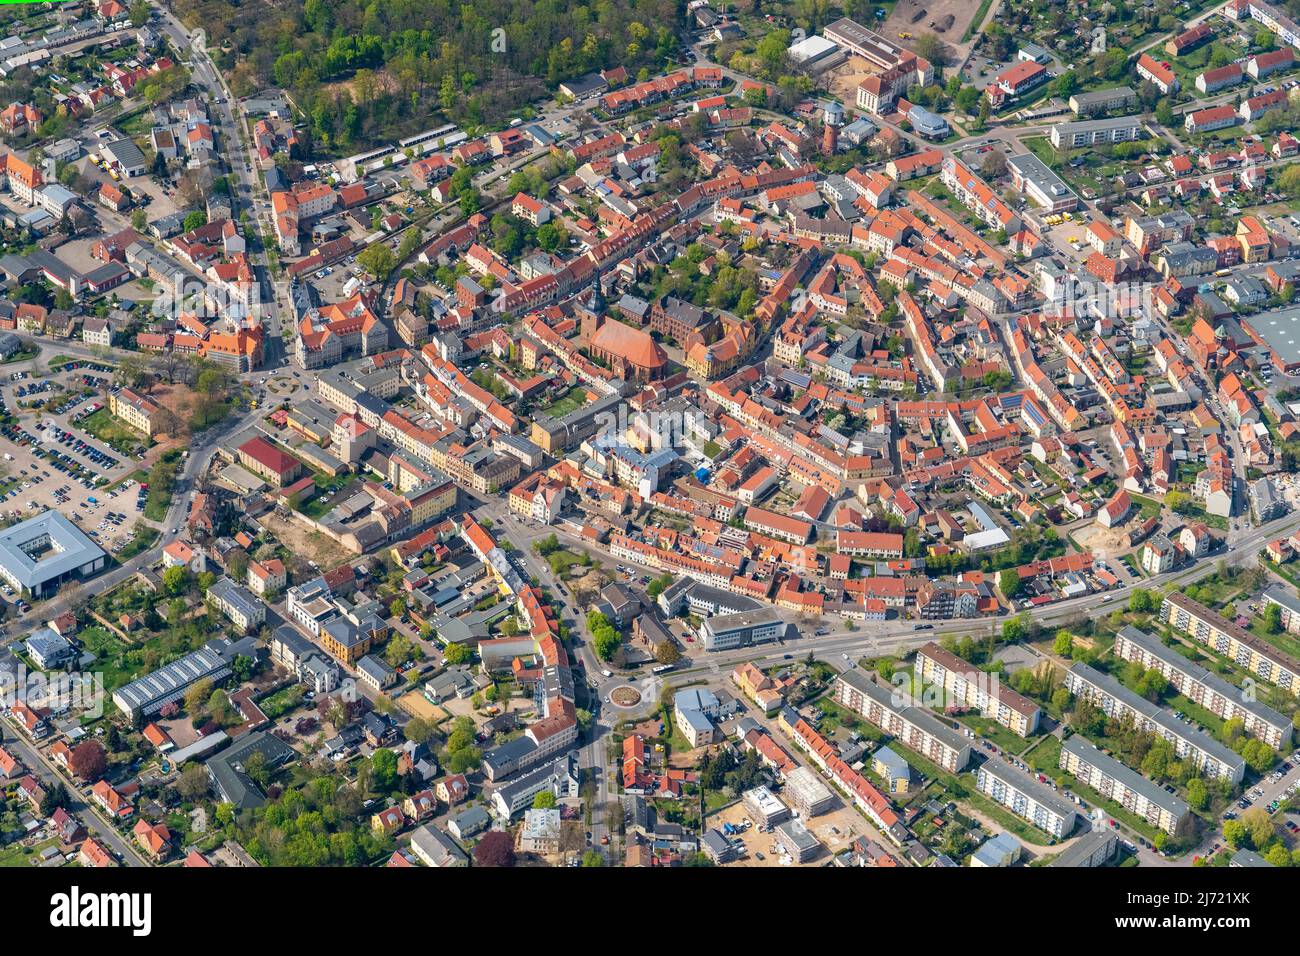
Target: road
83 809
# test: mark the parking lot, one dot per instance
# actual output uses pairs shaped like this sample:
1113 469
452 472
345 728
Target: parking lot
51 462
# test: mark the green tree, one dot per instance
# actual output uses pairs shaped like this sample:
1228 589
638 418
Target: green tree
1063 646
1009 583
378 260
544 800
457 654
174 579
383 770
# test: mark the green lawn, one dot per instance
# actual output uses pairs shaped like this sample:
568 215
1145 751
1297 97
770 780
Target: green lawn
992 730
560 561
142 540
22 355
19 855
1283 641
110 657
112 431
1149 507
572 400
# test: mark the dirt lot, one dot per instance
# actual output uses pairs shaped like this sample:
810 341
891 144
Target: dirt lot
1104 542
900 21
417 705
845 79
836 830
308 545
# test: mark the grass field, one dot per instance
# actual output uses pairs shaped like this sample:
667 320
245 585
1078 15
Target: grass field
142 541
112 431
573 400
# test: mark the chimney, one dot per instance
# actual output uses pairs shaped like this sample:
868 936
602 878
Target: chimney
829 139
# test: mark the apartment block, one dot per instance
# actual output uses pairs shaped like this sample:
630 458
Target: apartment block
134 409
1204 688
890 709
1091 132
967 686
1232 641
1117 701
1026 797
1284 598
1116 782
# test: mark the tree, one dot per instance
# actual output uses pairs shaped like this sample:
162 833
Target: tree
1288 181
668 653
457 654
1141 601
544 800
193 782
197 696
497 848
237 564
1014 629
55 796
1064 644
1066 84
967 100
383 770
932 48
1009 583
140 12
1273 619
174 579
1198 795
88 760
378 260
658 585
593 858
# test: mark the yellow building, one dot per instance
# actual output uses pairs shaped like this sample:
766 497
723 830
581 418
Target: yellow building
134 409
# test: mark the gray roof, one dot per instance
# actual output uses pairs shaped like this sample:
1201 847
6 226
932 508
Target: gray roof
374 667
471 820
437 846
1279 329
892 762
923 719
170 681
1248 858
1031 788
226 770
1087 752
1158 716
996 848
228 592
1213 681
68 549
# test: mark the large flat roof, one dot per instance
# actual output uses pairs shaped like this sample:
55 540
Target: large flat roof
67 550
1280 331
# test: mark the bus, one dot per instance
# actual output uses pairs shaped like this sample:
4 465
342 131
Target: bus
661 668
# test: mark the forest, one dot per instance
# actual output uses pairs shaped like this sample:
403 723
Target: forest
365 73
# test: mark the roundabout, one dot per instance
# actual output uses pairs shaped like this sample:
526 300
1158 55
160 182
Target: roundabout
625 697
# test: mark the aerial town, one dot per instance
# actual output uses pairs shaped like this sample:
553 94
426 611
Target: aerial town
708 435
